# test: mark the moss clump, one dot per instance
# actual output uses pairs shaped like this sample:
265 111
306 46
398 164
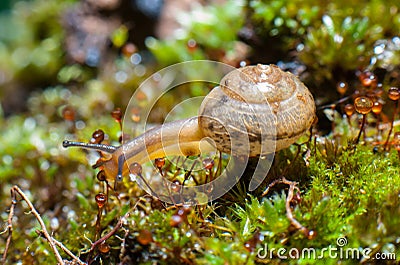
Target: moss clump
327 37
355 197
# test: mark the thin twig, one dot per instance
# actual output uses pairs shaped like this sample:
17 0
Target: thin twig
123 246
334 103
387 146
289 213
107 236
115 229
273 183
9 228
14 190
68 252
362 128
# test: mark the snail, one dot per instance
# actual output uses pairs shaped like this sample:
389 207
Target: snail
254 111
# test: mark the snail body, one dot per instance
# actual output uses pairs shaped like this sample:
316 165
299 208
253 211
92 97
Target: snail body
254 111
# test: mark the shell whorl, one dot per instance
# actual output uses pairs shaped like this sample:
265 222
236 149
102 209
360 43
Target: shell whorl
262 103
258 84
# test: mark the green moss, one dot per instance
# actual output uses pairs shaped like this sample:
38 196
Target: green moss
212 29
31 40
328 37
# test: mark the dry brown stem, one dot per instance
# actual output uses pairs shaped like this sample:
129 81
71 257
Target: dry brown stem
44 233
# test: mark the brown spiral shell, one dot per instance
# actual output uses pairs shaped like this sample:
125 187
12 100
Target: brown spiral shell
261 103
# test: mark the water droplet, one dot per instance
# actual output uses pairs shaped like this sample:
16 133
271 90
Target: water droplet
377 107
7 159
80 125
121 76
101 199
341 88
136 168
379 49
29 124
54 223
363 105
349 109
140 70
175 220
104 247
159 162
145 237
136 58
394 93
